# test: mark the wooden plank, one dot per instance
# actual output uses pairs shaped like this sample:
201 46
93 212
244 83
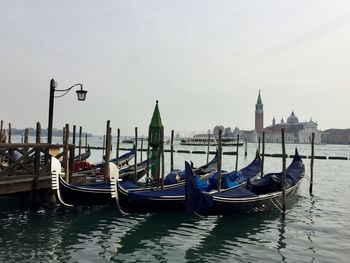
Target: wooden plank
24 185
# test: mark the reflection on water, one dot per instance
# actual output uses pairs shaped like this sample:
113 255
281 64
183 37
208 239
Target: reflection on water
311 223
281 245
101 234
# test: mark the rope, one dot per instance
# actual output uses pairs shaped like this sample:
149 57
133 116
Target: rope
308 178
277 206
197 214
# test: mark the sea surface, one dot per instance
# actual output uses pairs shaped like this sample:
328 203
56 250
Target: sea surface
314 229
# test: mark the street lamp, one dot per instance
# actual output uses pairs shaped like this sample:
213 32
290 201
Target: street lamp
53 84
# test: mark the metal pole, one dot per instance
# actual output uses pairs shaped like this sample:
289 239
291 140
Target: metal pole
51 105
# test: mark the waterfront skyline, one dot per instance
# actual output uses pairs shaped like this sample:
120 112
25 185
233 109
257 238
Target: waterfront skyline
203 61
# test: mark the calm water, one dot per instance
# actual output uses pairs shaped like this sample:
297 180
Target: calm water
315 229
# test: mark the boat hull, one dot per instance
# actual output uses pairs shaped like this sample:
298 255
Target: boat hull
79 195
266 202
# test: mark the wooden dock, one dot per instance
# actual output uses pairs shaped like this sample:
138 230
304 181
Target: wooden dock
25 167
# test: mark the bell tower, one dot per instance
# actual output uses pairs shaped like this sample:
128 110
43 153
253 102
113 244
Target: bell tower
259 115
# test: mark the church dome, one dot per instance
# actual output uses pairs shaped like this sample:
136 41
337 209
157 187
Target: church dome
292 119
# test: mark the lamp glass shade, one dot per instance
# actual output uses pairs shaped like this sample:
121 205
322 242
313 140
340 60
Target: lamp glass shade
81 94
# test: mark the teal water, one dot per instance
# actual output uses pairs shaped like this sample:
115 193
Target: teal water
315 228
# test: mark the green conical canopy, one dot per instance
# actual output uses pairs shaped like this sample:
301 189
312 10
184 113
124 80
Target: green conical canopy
154 128
156 121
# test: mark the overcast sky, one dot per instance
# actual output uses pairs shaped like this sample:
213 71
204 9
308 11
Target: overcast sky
205 62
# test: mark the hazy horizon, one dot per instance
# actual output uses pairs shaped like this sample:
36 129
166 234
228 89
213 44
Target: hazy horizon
204 61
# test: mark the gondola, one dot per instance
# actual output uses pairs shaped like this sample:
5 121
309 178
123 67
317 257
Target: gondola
172 197
84 156
122 160
264 193
173 179
95 193
98 168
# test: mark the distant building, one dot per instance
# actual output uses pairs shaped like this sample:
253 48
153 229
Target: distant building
295 131
259 115
336 136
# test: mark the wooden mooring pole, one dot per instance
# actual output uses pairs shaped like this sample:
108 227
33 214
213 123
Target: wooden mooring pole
162 156
65 155
259 139
208 149
1 131
134 178
72 152
108 153
26 132
237 152
63 135
172 151
283 172
1 136
105 146
80 138
245 147
312 162
36 162
74 135
147 167
9 133
262 155
141 151
117 148
219 160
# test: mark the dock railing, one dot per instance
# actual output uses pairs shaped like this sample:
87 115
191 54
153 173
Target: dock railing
26 166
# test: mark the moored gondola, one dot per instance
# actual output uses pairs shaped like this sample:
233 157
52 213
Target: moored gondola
172 196
259 195
98 193
84 156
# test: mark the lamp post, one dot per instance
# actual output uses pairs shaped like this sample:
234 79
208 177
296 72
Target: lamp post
53 84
